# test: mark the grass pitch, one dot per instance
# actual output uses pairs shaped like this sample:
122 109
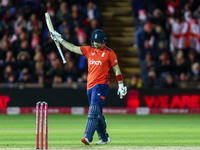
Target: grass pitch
126 132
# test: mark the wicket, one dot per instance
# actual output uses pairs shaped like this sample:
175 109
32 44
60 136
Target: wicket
41 108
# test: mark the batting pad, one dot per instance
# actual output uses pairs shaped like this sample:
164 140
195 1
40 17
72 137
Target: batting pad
101 129
92 121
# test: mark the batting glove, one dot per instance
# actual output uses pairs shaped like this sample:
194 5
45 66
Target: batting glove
56 37
122 90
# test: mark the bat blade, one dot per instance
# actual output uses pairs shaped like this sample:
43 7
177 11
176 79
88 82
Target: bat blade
49 23
51 29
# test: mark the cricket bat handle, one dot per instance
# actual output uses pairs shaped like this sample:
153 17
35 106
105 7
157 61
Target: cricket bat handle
60 51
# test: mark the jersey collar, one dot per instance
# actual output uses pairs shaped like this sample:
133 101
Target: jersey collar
102 47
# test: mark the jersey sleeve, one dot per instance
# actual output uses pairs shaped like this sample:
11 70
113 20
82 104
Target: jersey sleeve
85 50
113 59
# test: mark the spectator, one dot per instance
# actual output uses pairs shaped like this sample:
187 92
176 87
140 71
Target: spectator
142 38
83 78
4 49
23 60
194 73
5 4
164 66
160 34
71 69
68 36
158 18
69 79
19 29
151 80
196 14
75 8
161 48
9 15
50 8
188 16
33 22
57 79
63 26
89 29
176 27
20 19
182 66
23 71
142 16
75 20
81 36
56 68
7 72
82 65
172 6
38 49
135 82
40 79
39 67
16 46
186 8
169 82
91 12
63 13
137 5
48 45
183 77
10 60
35 41
25 47
147 65
192 57
26 78
68 56
11 79
27 11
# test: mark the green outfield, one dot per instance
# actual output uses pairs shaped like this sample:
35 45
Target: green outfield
66 131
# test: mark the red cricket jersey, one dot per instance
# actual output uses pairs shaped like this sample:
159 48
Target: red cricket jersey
99 64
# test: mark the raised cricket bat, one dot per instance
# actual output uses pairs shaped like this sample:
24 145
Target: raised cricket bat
51 29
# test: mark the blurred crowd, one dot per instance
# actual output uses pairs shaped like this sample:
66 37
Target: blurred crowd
27 53
168 40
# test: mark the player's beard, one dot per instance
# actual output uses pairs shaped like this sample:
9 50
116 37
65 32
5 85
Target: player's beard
97 45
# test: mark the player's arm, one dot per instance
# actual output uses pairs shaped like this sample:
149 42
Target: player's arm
69 46
72 47
122 90
118 74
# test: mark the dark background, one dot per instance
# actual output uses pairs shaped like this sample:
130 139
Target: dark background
59 97
67 97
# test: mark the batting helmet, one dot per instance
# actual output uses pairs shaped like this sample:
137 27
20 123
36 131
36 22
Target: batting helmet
98 36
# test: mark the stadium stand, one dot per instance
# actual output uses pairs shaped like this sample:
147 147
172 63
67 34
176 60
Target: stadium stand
28 55
167 37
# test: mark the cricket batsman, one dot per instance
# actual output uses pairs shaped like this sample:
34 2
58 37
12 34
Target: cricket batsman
100 60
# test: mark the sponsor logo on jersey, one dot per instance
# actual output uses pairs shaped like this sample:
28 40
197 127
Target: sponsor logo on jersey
92 54
98 62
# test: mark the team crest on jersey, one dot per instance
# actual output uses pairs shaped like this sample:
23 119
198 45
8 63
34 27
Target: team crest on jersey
103 54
